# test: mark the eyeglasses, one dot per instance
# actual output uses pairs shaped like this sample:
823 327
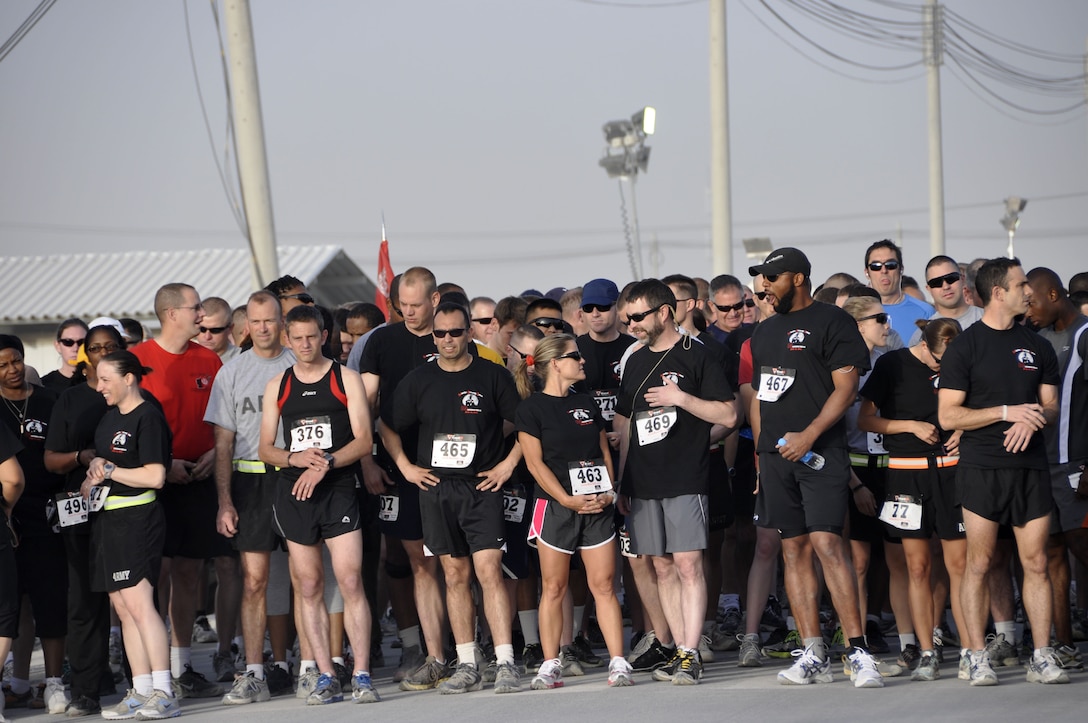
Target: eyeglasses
575 355
547 321
939 281
301 296
735 307
519 352
483 320
590 308
761 295
455 333
640 315
212 329
102 348
890 265
71 342
881 318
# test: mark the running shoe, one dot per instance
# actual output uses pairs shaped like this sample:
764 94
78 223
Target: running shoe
223 665
585 653
964 672
1044 667
159 706
532 657
464 680
807 668
55 698
411 658
928 668
982 673
838 640
507 678
126 709
247 688
782 643
731 621
82 706
772 617
202 631
192 684
343 675
909 657
875 638
491 670
1001 651
689 670
306 683
666 671
278 680
863 670
1069 657
550 675
326 691
750 655
652 658
18 700
619 673
362 689
426 676
571 665
717 639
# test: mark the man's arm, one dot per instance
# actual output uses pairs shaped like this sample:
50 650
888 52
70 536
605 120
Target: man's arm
723 413
394 447
227 521
361 426
843 395
953 415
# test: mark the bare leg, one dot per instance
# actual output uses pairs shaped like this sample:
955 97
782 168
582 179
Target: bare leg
974 590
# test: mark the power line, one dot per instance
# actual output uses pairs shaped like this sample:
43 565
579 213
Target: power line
21 32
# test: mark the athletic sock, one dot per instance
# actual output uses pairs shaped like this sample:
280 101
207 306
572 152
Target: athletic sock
143 684
257 670
466 654
409 636
504 654
179 658
907 639
530 626
160 680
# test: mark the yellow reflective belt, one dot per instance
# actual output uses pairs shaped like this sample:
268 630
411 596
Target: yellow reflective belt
117 502
862 460
250 466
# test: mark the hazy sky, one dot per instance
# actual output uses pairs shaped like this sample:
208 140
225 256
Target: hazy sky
476 126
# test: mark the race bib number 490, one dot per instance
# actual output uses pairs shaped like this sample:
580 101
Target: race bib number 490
311 432
453 451
654 425
774 382
589 477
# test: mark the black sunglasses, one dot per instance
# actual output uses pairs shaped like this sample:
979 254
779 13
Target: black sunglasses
575 355
761 295
590 308
212 329
735 307
71 342
519 352
936 358
640 315
881 318
771 278
483 320
547 321
455 333
890 265
303 297
939 281
102 348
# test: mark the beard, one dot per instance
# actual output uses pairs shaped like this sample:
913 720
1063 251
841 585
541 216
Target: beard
785 304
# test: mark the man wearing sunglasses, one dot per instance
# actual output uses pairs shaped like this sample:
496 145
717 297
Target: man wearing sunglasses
946 287
727 298
547 315
806 362
672 394
457 410
884 269
215 329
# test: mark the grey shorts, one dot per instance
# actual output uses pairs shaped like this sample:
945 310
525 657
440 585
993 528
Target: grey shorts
674 524
1070 510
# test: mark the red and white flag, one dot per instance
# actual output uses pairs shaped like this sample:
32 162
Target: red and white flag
385 275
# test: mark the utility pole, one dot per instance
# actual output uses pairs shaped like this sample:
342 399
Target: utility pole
934 51
249 143
721 232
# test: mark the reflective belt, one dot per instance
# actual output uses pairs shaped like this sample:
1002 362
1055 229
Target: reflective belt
868 460
117 502
250 466
922 462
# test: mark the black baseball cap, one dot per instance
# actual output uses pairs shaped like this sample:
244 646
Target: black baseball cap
782 261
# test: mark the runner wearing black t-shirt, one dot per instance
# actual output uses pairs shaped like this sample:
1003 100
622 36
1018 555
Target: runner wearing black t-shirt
326 429
11 487
999 384
806 361
671 396
457 409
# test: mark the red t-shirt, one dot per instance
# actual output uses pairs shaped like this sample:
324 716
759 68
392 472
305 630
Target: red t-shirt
183 384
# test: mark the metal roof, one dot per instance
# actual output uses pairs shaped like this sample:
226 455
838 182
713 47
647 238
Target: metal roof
44 289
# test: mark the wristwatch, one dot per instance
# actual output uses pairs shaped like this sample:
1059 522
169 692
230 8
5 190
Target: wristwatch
108 468
330 459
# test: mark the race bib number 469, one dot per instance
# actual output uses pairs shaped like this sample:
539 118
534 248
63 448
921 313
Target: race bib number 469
654 425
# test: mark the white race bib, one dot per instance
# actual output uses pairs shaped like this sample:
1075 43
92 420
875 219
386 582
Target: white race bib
97 498
902 511
453 451
589 477
774 382
311 432
388 508
625 543
655 424
606 402
71 511
875 442
513 506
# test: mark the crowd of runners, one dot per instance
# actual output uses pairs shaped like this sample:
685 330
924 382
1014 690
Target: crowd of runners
774 468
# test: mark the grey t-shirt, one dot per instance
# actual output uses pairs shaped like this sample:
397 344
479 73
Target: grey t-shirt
235 401
969 317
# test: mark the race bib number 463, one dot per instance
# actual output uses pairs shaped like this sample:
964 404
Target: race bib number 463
589 477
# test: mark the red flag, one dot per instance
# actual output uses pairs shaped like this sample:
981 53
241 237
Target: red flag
385 275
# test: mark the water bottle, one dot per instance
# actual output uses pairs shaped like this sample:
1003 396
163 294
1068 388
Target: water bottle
811 459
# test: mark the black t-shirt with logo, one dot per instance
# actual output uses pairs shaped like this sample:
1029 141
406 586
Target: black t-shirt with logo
30 515
678 463
602 370
473 401
71 428
569 430
133 440
902 387
809 345
996 367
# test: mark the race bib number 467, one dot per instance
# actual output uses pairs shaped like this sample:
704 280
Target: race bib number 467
774 382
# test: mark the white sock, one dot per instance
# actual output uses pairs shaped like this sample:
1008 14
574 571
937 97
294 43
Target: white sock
409 637
466 654
19 686
160 680
579 616
179 658
530 626
257 670
1008 627
338 660
143 684
504 654
283 665
306 666
907 639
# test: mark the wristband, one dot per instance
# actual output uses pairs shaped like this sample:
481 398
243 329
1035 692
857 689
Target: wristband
855 489
1004 412
78 463
289 458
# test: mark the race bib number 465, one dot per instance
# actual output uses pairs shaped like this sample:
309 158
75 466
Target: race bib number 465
453 451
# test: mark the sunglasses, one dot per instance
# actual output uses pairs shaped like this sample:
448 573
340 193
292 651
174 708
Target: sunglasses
771 278
881 318
102 348
212 329
939 281
936 358
640 315
519 352
455 333
890 265
761 295
735 307
590 308
71 342
302 296
483 320
547 321
575 355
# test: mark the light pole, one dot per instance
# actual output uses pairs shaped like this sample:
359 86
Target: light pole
1013 206
625 155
